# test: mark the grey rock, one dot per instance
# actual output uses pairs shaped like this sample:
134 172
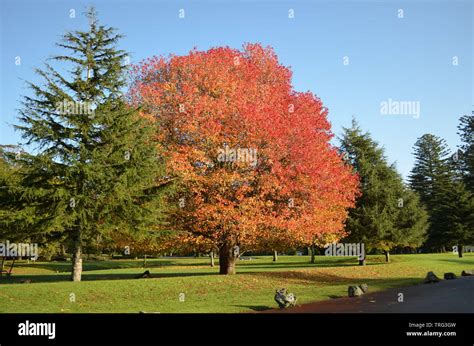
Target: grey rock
354 291
284 298
364 288
431 278
449 276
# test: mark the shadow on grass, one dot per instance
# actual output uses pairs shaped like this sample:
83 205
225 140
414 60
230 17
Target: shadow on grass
303 265
291 277
308 277
255 307
105 265
20 279
244 266
31 279
467 261
270 270
321 262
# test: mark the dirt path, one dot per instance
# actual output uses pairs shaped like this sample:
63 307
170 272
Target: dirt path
447 296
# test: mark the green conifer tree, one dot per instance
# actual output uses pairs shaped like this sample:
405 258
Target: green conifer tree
432 177
466 153
96 165
457 209
387 213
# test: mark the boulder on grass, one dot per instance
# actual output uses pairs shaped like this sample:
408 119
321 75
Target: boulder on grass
354 291
467 273
364 288
449 276
431 278
284 298
145 275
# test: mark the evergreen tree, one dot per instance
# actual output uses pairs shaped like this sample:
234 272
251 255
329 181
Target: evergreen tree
412 222
457 206
432 177
466 153
96 166
387 213
457 209
7 182
16 215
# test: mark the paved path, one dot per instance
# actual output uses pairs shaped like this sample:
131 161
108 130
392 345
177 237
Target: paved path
446 296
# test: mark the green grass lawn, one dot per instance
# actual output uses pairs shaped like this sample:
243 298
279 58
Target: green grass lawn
111 286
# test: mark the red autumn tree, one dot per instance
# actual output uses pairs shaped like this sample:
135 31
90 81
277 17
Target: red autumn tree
251 155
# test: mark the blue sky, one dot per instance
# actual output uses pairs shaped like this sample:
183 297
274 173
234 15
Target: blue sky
402 59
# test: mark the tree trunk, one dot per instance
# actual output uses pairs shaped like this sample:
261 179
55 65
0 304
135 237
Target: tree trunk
460 251
387 256
227 258
275 256
2 266
313 254
77 257
212 258
144 262
362 261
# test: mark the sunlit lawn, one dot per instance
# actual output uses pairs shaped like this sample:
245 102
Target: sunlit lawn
112 286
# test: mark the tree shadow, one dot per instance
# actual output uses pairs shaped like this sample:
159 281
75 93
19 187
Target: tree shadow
283 263
65 266
63 271
255 307
467 261
334 262
328 278
32 279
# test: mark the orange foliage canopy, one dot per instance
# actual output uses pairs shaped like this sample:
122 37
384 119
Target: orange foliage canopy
252 156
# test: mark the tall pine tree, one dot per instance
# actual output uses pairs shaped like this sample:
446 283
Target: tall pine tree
457 209
10 221
432 177
466 154
387 214
95 167
457 206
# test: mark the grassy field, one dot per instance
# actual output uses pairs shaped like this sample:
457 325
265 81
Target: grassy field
111 286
